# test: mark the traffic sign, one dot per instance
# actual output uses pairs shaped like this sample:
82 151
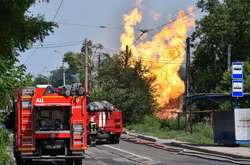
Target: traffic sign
237 88
237 70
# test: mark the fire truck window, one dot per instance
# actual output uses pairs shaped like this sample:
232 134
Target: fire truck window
52 118
45 114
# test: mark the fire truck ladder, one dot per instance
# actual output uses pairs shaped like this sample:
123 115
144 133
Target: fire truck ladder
26 120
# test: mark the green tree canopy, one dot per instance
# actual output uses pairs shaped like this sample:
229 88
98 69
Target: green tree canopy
225 23
41 80
75 63
124 87
18 31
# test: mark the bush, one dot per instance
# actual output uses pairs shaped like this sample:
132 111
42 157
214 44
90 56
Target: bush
173 124
125 88
4 142
202 132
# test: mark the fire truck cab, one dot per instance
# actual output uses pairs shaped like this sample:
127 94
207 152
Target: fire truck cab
50 124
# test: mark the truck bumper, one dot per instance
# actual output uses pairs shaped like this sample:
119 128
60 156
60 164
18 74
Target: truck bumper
53 157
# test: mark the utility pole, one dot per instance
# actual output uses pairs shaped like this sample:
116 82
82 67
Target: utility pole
187 84
188 67
86 67
126 56
229 57
64 80
99 60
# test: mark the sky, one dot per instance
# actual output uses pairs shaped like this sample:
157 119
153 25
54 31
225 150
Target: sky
91 14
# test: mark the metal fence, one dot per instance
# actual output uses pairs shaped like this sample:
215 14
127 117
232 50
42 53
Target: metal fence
191 117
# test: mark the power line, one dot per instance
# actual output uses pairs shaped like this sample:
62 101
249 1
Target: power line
58 43
144 31
91 26
163 61
57 11
172 21
53 19
56 46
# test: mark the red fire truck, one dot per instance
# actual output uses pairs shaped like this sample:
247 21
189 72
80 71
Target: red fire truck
105 122
50 124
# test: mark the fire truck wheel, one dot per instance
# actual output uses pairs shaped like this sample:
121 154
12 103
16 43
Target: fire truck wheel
20 161
69 162
74 161
78 161
92 141
115 139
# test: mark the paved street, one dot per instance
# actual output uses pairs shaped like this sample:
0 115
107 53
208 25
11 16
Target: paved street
127 153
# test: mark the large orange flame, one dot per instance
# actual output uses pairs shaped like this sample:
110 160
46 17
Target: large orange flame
163 56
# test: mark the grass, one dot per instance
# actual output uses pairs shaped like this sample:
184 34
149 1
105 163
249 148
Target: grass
202 132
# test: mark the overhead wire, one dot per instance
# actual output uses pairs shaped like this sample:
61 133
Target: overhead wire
59 43
56 46
91 26
163 61
53 20
57 11
143 31
146 30
74 43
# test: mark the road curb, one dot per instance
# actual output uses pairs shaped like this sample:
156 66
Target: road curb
216 158
190 147
187 146
141 136
147 138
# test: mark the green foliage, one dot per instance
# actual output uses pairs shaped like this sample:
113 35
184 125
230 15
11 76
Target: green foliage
74 72
4 142
125 88
202 132
10 80
18 31
224 23
40 79
75 62
76 65
56 78
172 124
226 86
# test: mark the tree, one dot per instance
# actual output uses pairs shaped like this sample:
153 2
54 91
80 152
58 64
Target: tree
19 30
56 77
92 62
125 88
76 64
225 23
226 86
41 80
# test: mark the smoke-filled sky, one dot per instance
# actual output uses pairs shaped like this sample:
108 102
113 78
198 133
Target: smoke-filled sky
79 19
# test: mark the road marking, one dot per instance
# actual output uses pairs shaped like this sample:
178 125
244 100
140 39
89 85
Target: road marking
118 149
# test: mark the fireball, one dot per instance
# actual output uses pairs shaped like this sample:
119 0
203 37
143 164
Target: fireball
162 56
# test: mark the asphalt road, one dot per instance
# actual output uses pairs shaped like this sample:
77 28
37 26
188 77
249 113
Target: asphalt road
127 153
